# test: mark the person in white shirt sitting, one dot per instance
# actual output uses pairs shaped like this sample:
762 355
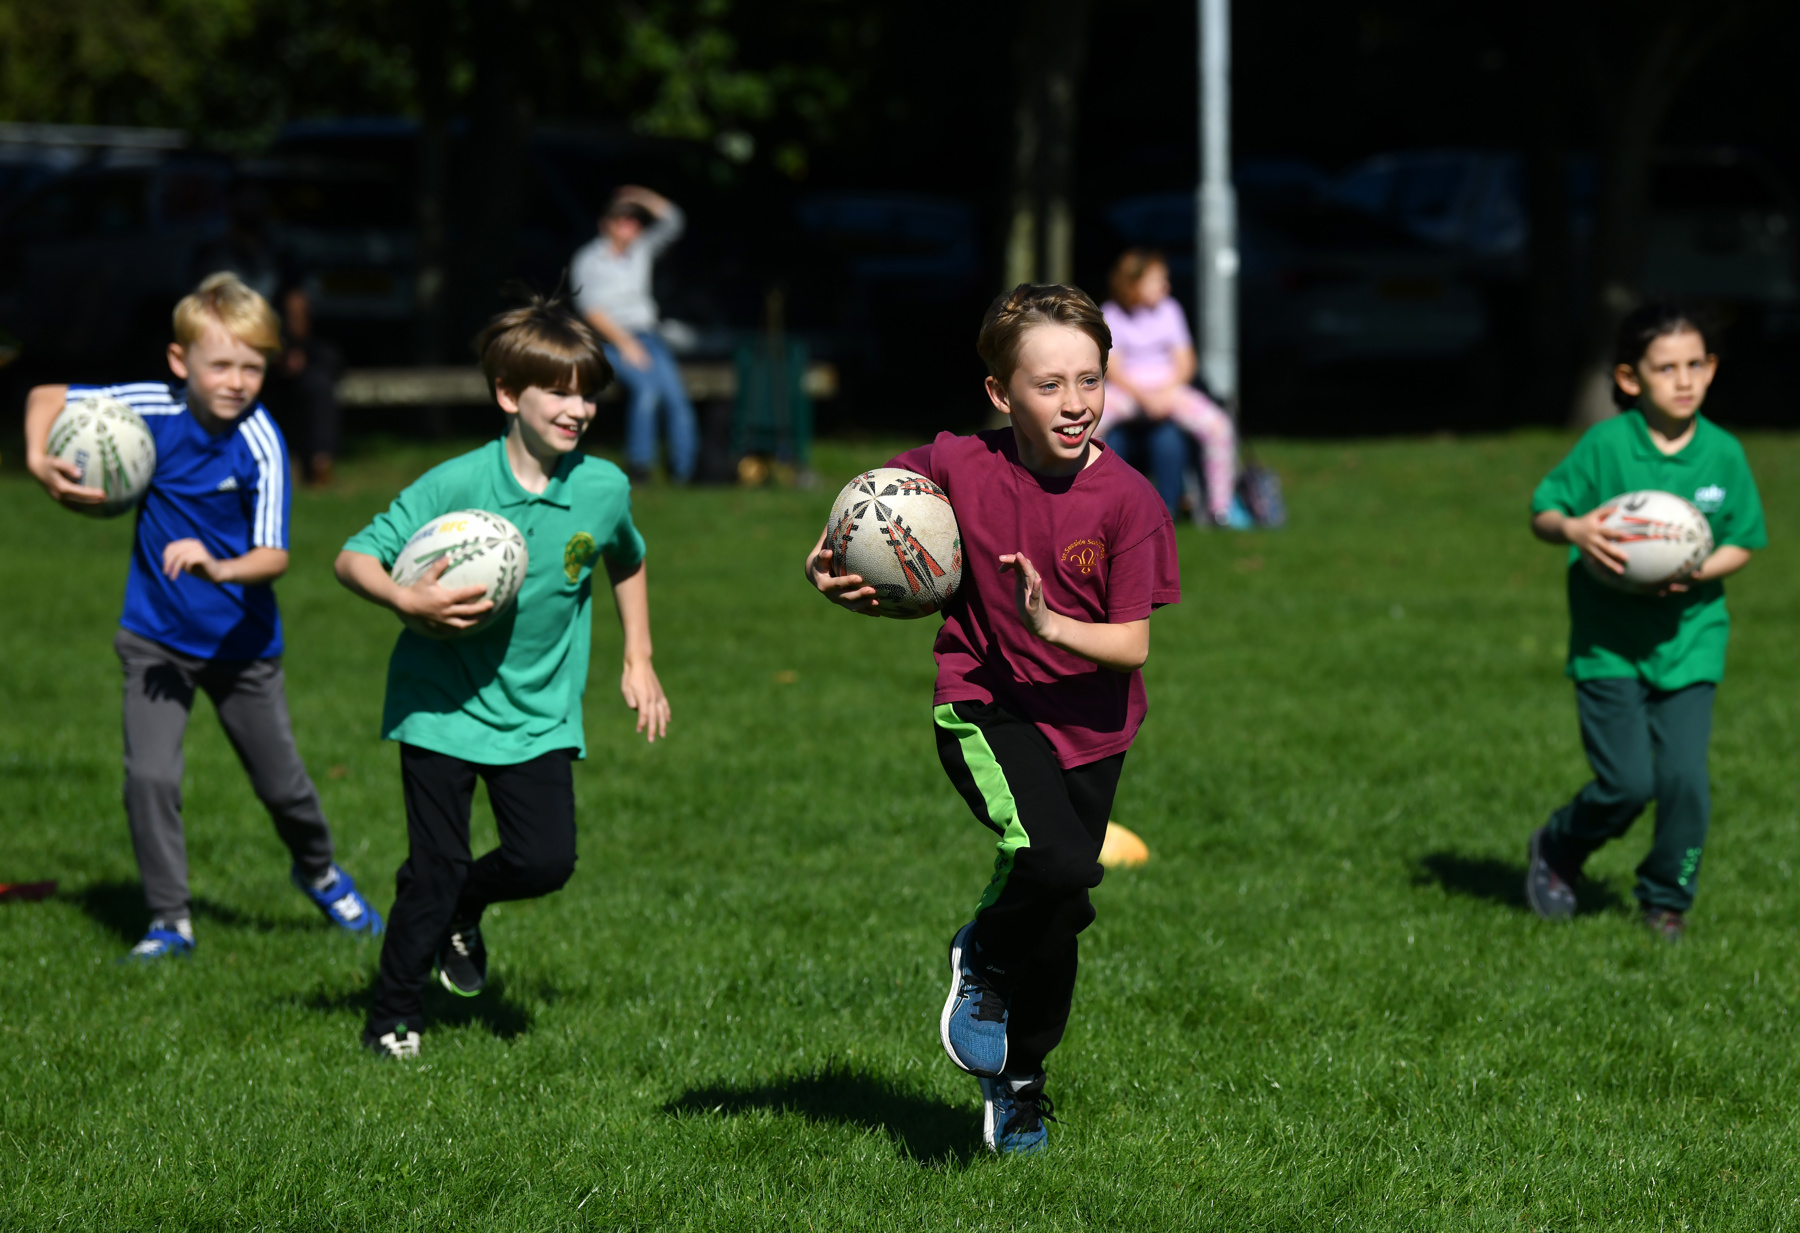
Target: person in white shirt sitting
611 276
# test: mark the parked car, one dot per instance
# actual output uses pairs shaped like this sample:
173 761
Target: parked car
92 261
1321 282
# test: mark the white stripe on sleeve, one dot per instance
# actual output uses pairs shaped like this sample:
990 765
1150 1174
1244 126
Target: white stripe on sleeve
272 476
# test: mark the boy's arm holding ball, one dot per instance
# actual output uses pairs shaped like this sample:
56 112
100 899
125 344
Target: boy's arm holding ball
452 607
638 682
1123 647
845 590
1585 533
42 406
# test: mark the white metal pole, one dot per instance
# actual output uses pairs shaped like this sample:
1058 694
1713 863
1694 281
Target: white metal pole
1215 250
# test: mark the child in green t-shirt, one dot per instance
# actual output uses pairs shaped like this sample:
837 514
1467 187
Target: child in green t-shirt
1645 666
502 703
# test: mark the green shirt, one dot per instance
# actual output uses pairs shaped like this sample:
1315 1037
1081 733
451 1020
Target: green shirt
1670 641
512 691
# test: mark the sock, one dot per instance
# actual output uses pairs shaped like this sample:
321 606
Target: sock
180 924
326 880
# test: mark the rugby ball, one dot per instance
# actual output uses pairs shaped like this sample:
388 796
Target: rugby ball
896 529
1663 537
483 549
112 447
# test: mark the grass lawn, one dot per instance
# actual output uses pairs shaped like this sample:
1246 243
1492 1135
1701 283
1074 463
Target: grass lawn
1322 1004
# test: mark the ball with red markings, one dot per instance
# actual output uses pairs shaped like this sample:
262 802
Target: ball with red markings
896 529
1663 537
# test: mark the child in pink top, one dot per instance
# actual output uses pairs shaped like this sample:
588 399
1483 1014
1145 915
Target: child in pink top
1067 551
1152 364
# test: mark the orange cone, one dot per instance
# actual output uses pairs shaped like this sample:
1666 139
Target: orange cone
1122 849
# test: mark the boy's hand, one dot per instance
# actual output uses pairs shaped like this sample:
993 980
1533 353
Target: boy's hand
1594 541
447 607
845 590
59 478
1028 593
189 556
644 694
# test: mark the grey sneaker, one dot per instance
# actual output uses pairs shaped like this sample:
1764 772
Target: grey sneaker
1665 923
1546 889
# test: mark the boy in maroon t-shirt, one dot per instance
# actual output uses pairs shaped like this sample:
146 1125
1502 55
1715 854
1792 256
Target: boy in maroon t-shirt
1039 690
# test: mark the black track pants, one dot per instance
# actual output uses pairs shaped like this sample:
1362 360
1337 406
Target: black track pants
1051 824
534 811
1644 745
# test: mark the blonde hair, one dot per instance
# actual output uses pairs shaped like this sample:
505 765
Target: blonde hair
1129 270
1012 315
542 343
225 300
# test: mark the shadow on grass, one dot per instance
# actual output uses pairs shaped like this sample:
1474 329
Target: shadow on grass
1502 882
929 1131
119 908
501 1015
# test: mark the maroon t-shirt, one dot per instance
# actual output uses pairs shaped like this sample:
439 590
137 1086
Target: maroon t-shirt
1104 544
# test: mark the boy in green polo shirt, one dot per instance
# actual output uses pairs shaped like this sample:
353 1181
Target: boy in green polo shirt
1645 666
503 704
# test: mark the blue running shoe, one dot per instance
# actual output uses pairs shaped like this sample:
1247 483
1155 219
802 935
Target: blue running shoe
973 1024
1014 1111
342 904
159 943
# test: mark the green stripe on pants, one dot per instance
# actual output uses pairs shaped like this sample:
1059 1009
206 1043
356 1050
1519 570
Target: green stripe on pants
990 781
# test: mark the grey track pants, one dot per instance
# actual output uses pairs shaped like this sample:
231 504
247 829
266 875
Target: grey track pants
251 700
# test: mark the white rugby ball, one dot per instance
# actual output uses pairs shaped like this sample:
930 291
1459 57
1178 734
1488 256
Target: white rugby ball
896 529
112 447
483 549
1663 538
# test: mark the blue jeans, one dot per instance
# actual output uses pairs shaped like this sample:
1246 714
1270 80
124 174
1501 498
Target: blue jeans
1158 446
645 388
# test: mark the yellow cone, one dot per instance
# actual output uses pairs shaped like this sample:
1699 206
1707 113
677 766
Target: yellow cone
1122 849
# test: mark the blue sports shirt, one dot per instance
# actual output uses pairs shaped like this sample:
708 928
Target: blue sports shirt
230 492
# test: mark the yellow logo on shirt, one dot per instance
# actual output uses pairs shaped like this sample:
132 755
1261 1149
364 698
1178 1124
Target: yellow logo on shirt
1085 554
579 551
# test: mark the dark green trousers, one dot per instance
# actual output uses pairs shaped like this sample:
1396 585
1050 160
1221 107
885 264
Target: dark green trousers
1644 745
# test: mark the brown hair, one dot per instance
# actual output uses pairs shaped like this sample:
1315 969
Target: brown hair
1011 315
1129 270
542 343
225 300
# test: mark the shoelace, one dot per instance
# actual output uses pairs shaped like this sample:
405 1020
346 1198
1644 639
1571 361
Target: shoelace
989 1008
459 945
1029 1110
347 907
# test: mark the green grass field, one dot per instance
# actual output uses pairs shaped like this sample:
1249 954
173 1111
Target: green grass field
1321 1005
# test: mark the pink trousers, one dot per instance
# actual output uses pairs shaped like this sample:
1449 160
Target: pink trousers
1203 420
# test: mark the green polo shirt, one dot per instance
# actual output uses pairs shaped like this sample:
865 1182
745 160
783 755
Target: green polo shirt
1670 641
512 691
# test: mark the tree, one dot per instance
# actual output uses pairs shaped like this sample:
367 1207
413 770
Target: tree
1049 52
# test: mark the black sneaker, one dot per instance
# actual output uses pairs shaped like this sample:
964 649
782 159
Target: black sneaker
398 1042
1665 923
1547 888
462 964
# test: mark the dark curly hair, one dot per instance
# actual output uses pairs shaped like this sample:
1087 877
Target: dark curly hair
1645 324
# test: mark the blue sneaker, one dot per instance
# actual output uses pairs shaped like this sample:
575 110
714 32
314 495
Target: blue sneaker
159 943
1014 1111
340 901
973 1024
